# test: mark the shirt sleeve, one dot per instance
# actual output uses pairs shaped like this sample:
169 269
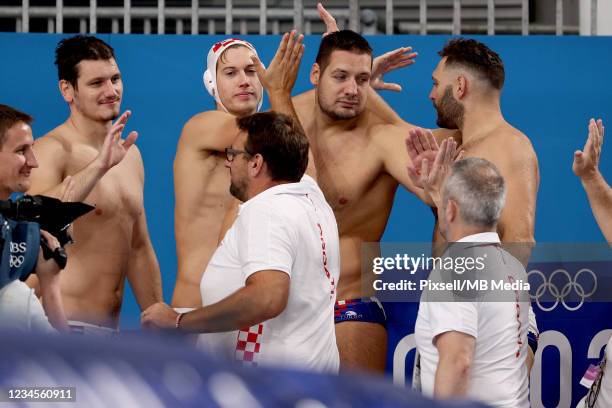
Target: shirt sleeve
453 316
265 241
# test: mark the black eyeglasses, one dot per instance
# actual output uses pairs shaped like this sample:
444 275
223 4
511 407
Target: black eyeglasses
231 153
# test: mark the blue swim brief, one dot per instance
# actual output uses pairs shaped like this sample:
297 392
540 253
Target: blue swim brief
360 310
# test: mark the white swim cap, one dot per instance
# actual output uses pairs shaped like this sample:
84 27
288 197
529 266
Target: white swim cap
210 75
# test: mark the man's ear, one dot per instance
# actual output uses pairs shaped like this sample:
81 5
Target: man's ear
67 90
314 74
256 165
451 211
461 87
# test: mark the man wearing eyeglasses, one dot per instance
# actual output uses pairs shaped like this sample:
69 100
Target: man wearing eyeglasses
270 287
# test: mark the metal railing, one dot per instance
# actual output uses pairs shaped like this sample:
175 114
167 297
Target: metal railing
198 19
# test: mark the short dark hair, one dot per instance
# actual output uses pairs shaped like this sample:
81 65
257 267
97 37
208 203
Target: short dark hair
280 140
476 57
70 51
9 117
343 40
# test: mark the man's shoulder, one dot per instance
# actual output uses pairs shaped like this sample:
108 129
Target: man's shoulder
508 146
381 130
305 100
56 141
205 124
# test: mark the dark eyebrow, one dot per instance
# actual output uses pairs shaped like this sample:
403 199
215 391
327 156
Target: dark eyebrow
21 146
102 78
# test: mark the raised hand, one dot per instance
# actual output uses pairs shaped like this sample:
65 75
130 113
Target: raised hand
328 19
432 177
115 148
392 60
420 144
586 161
280 76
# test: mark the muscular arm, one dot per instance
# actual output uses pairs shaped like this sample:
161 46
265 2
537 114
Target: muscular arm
456 353
204 135
390 141
517 222
52 304
263 297
48 272
143 271
377 105
599 194
52 157
586 166
47 180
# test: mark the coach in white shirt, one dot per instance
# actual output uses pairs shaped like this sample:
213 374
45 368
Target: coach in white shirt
475 347
270 287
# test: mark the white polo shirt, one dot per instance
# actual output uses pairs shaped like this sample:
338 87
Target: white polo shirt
498 374
289 228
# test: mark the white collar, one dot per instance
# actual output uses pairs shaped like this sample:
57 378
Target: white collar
491 237
302 187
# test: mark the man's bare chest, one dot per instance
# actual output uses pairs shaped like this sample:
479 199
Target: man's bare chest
118 192
345 170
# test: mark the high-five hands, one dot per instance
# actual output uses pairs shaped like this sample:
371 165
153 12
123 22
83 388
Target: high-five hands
280 76
430 163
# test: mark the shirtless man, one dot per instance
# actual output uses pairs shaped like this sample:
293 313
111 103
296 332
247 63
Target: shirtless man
360 160
466 92
202 199
112 242
200 177
201 146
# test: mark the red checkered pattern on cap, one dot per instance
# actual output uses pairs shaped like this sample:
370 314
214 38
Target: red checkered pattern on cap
248 344
227 42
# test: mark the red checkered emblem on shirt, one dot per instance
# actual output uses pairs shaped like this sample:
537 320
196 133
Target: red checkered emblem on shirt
248 344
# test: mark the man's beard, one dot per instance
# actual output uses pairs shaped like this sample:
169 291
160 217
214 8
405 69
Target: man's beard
335 115
450 111
239 189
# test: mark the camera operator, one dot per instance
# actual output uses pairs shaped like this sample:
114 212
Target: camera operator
20 309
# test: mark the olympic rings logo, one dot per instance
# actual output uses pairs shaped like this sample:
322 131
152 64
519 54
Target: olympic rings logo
16 261
561 295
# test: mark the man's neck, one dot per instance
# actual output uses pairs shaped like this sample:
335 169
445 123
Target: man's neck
463 231
236 114
90 131
324 122
259 187
4 194
481 118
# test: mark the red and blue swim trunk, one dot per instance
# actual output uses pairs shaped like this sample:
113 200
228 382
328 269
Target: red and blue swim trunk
360 310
